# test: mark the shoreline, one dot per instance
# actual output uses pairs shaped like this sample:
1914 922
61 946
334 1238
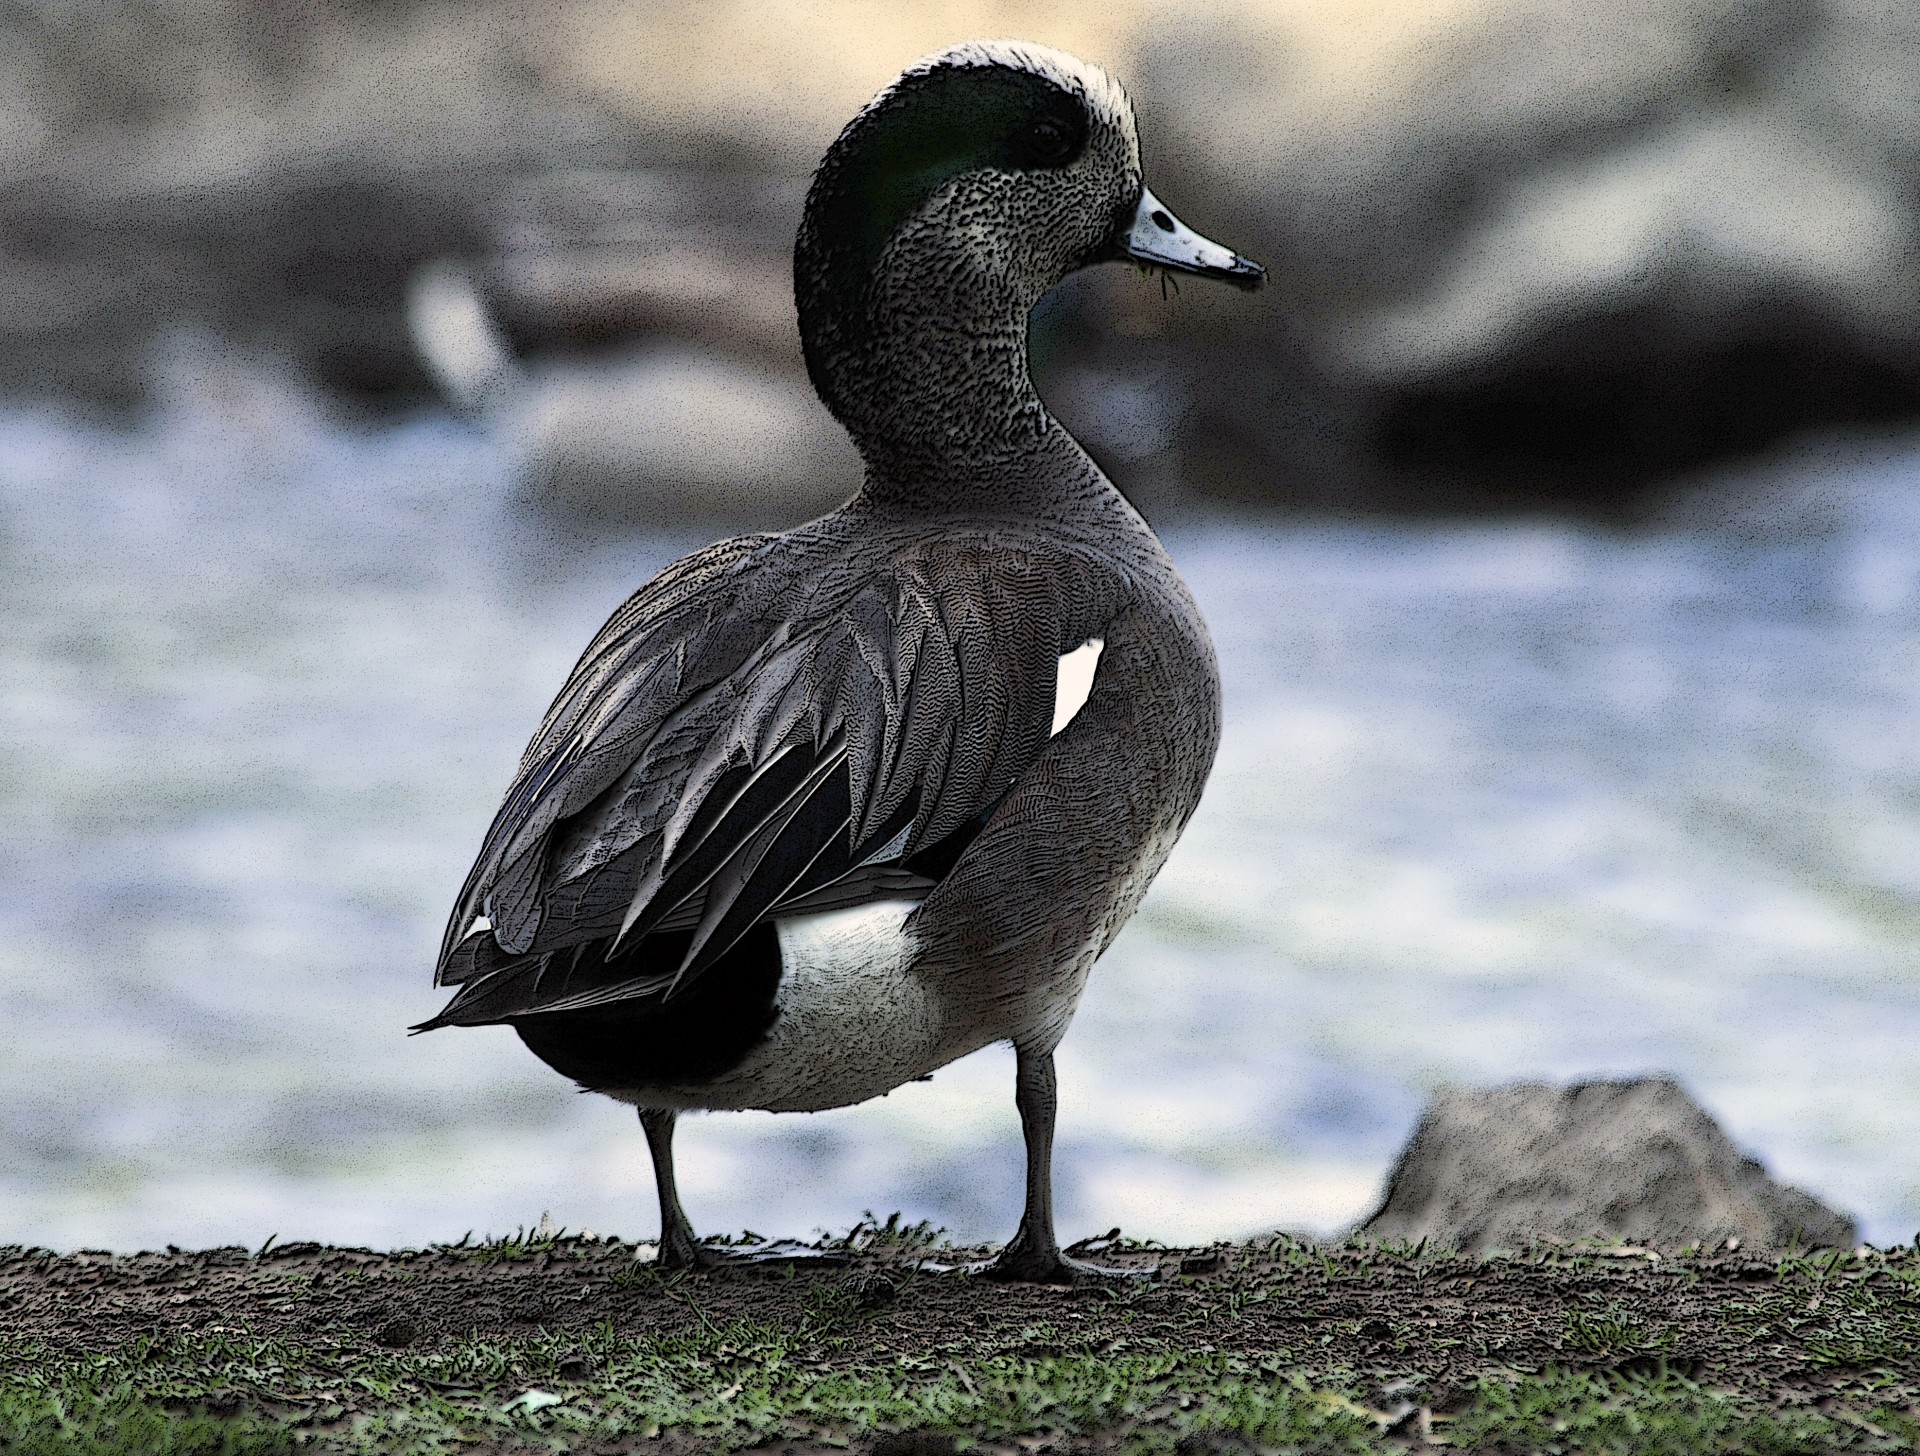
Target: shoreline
556 1342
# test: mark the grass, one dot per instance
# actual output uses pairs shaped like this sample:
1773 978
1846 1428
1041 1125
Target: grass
1614 1376
739 1386
1612 1334
79 1421
889 1235
1845 1317
1659 1414
729 1387
517 1247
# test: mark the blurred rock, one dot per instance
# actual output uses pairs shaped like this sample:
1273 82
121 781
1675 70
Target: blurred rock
1560 251
1525 253
1638 1160
590 256
712 420
272 171
673 435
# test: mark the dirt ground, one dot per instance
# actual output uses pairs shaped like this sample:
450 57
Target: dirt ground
1413 1333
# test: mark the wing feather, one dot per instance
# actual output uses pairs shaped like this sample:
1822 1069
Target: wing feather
765 798
772 726
755 880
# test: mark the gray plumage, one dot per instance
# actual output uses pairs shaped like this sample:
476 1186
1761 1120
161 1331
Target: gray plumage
782 729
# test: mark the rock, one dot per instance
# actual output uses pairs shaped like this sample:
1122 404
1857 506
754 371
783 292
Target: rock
635 345
1553 249
1523 252
1638 1160
671 435
268 172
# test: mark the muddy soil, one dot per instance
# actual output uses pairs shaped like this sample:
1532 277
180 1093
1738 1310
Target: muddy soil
1365 1317
1451 1317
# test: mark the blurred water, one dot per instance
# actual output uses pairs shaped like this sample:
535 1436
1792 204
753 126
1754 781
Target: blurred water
1494 802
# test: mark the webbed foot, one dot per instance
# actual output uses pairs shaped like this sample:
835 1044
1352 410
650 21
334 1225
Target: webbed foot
770 1251
690 1253
1024 1263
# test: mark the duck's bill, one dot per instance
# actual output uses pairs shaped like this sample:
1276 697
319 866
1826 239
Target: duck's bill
1159 239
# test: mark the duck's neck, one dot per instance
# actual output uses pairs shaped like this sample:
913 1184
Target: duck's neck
928 373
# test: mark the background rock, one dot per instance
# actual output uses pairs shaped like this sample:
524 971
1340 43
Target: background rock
1633 1159
270 172
1525 253
1558 252
674 435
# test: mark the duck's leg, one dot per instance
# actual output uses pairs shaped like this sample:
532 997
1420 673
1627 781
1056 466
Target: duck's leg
679 1249
1034 1256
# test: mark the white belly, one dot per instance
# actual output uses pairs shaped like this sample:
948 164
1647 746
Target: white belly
853 1020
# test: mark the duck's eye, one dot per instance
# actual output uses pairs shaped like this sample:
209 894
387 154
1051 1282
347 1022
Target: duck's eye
1050 142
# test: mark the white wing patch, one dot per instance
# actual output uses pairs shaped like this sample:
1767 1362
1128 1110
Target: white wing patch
1076 681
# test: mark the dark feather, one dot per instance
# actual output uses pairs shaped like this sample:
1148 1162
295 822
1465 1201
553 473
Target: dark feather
741 739
750 888
765 798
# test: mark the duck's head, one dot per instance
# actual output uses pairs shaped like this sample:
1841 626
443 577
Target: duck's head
940 216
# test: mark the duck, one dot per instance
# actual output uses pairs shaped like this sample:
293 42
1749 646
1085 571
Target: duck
820 811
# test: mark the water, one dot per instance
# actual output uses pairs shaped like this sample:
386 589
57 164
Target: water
1494 802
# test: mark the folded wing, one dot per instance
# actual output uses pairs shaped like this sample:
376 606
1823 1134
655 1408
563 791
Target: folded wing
773 726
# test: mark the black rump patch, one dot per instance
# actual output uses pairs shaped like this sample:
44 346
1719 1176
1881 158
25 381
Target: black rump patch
933 126
703 1032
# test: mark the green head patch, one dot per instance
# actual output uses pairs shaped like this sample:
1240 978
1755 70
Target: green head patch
932 126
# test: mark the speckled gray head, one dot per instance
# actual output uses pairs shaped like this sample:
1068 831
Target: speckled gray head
942 214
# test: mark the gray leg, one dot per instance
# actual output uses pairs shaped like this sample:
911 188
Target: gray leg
1034 1255
679 1249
